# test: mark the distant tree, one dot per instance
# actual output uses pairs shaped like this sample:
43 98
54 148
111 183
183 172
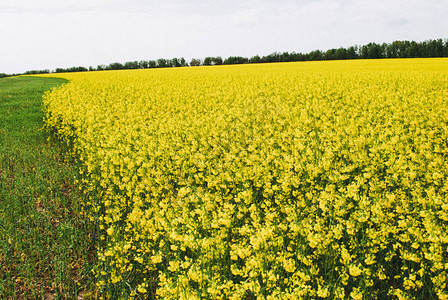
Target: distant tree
75 69
152 64
414 50
255 59
208 61
34 72
218 60
364 52
273 57
340 53
114 66
233 60
402 49
296 56
352 52
230 60
162 63
315 55
131 65
285 57
329 54
375 51
144 64
183 62
436 48
391 52
175 62
195 62
445 48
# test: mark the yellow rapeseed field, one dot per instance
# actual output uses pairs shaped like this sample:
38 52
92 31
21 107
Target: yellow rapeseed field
265 181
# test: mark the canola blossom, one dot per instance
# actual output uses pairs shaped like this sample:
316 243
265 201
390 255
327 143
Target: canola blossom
268 181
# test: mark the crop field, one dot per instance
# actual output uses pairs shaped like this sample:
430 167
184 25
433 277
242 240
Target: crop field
47 247
265 181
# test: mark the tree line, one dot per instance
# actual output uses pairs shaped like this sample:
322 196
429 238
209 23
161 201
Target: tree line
396 49
3 75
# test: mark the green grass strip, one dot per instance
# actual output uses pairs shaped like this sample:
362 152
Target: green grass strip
46 246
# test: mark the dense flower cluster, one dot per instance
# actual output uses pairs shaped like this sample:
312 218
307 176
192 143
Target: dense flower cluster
275 181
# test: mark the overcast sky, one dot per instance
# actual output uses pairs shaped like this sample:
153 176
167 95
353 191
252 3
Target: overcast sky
46 34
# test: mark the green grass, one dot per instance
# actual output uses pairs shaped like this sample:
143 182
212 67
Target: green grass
46 246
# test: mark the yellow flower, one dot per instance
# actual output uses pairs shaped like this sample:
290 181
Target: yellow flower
354 270
356 294
289 265
142 289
